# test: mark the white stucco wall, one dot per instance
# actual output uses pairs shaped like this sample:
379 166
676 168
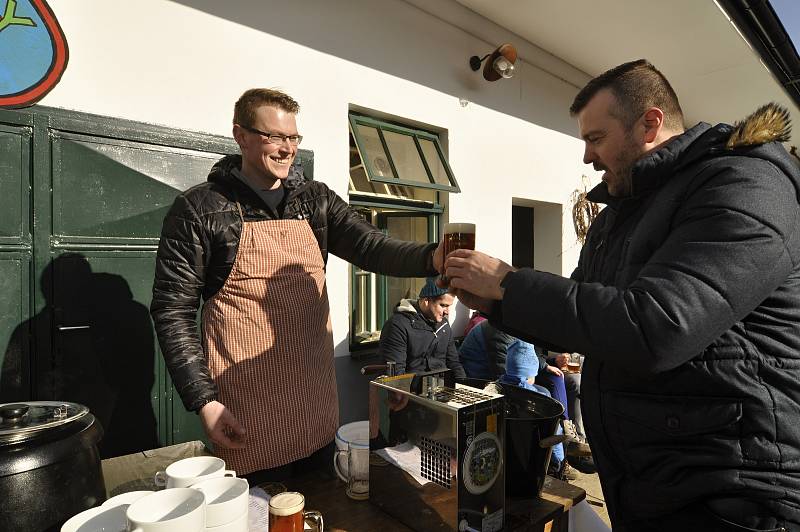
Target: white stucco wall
183 64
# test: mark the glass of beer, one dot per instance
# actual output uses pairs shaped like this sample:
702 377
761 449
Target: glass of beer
457 236
574 363
287 513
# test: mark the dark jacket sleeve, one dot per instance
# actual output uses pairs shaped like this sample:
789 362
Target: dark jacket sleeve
497 343
393 346
453 362
355 240
183 255
731 245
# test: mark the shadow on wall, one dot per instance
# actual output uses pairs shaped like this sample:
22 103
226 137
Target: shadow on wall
353 387
403 41
103 353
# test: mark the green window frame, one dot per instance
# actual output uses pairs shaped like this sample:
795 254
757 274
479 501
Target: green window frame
363 332
399 155
397 177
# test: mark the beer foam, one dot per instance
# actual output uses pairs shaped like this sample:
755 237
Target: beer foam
287 503
459 228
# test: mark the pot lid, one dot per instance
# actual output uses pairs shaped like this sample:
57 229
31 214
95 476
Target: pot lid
24 420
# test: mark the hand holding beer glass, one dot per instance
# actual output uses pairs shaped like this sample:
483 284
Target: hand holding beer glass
457 236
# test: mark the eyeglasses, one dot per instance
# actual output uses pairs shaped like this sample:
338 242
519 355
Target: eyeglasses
275 138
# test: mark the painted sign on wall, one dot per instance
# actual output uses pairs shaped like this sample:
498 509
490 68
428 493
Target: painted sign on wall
33 52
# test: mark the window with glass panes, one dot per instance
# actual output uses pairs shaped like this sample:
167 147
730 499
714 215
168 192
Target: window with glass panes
398 175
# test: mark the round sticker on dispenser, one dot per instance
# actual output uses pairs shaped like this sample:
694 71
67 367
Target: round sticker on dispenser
482 463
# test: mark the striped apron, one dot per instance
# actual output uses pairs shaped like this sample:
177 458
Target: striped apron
268 340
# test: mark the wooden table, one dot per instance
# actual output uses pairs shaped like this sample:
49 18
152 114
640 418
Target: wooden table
343 514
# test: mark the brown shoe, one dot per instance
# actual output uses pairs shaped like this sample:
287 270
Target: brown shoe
575 445
567 473
578 449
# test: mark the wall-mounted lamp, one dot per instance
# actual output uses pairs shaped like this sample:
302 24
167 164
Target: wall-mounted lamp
500 63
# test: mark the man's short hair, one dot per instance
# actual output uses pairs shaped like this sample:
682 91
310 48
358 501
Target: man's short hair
637 86
244 112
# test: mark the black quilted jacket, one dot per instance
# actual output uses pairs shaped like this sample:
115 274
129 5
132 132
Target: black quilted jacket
416 344
686 303
198 246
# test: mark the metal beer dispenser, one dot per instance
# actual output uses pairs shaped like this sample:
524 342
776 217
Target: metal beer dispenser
437 460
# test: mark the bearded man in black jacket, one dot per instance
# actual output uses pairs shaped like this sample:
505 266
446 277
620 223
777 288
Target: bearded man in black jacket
252 243
686 304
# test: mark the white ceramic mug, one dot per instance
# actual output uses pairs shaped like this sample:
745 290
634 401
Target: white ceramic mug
238 525
125 498
184 473
105 518
226 499
172 510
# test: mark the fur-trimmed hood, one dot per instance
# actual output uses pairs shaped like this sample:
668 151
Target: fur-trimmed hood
769 123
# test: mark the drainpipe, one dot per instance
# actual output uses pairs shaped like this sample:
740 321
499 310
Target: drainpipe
762 28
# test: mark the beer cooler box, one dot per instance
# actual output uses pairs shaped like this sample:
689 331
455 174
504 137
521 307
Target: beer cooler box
436 455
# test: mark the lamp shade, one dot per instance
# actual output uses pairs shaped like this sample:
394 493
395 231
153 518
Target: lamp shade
506 50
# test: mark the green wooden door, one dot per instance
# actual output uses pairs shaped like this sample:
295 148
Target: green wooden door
82 200
15 260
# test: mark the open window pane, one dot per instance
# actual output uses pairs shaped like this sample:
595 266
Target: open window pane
414 193
391 152
372 150
358 178
434 161
406 157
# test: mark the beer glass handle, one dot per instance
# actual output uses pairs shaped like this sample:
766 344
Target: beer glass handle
336 463
316 517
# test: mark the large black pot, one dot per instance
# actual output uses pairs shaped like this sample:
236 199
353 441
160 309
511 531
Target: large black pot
49 464
531 422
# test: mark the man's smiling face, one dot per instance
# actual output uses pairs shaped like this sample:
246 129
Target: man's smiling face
262 160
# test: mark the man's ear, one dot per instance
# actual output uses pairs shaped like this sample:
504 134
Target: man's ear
653 122
238 135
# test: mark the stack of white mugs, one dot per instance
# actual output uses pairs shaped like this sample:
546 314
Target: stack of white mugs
201 496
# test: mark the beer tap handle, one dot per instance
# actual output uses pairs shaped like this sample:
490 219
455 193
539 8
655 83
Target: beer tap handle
373 369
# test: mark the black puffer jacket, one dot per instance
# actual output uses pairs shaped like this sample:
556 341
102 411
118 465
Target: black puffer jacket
686 303
198 247
417 344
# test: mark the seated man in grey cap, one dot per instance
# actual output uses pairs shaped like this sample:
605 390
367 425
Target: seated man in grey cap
418 336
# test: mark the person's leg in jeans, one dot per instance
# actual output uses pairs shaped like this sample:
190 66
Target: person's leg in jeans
555 385
572 383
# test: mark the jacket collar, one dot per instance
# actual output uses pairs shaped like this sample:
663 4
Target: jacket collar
652 170
410 308
221 173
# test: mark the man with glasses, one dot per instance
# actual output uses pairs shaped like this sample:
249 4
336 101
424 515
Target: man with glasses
686 304
253 242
